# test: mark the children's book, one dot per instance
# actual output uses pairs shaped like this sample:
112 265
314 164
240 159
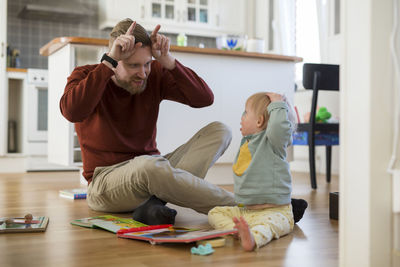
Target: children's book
18 225
108 222
77 193
176 235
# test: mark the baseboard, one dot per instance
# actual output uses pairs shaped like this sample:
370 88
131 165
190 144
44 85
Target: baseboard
20 163
302 165
299 166
12 164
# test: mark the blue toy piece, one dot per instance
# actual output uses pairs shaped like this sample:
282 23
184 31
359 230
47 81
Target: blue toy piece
202 250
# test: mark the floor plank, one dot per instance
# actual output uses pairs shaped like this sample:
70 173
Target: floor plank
314 241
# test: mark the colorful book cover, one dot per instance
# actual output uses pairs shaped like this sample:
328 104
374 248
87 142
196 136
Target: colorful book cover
108 222
18 225
77 193
176 235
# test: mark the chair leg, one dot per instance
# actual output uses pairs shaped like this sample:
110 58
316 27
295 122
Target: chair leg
311 155
328 163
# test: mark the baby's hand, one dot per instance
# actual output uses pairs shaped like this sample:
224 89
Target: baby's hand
275 97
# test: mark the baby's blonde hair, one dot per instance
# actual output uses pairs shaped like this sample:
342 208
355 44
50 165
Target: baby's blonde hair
259 102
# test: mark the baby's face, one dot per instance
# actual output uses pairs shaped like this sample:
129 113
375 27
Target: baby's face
249 122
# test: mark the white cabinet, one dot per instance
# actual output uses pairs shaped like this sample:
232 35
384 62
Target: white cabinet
193 17
162 11
113 11
16 101
26 113
37 105
231 16
198 17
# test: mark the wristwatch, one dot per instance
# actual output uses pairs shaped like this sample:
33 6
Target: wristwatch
110 60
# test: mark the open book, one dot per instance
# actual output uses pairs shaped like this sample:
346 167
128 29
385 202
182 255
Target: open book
176 235
18 225
108 222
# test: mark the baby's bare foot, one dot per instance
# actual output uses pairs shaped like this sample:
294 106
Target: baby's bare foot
246 238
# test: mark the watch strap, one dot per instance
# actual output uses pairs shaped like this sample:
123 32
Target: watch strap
110 60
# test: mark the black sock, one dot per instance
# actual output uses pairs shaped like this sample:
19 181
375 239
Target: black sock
299 206
154 212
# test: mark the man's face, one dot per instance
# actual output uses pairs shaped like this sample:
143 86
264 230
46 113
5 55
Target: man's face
132 73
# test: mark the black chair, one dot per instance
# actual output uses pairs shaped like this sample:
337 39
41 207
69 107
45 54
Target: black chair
318 77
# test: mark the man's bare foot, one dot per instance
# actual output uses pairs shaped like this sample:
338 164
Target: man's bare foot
246 238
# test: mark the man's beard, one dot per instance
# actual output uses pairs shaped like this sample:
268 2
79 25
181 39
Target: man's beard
132 89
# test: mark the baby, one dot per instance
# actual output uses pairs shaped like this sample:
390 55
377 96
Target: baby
262 179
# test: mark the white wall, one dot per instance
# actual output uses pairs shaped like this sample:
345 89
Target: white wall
232 79
366 134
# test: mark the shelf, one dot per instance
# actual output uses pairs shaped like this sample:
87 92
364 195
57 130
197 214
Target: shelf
16 70
15 155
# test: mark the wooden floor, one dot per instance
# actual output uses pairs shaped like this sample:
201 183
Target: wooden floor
314 241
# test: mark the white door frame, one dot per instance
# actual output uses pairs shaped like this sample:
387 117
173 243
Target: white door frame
3 78
366 132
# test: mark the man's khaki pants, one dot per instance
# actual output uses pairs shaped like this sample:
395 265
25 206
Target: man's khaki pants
177 177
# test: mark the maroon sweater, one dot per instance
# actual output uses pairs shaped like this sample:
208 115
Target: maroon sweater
113 125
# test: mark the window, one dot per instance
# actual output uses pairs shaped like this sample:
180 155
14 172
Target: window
336 29
197 11
164 9
271 25
307 34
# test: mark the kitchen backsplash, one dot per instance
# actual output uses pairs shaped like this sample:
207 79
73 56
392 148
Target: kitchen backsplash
29 35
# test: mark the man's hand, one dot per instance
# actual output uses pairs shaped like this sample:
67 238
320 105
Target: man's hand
160 49
124 46
274 97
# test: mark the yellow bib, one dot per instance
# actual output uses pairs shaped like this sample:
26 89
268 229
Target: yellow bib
243 160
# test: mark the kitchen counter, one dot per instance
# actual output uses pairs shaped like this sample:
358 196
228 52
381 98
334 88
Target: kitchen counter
58 43
232 75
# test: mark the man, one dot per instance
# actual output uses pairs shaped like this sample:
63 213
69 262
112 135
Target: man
115 105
